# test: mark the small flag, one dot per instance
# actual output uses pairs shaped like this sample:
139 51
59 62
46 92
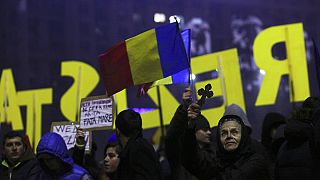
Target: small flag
180 77
147 57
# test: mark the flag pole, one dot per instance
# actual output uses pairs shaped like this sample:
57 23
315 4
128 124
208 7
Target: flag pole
223 85
78 95
291 86
34 123
160 113
190 80
5 98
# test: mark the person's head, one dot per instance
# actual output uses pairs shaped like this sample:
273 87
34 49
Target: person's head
52 154
305 112
270 125
13 146
128 123
53 165
111 157
230 133
234 109
202 129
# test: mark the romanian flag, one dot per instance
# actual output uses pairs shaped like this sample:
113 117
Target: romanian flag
145 58
180 77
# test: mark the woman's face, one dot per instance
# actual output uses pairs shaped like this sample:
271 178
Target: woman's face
230 135
111 160
203 135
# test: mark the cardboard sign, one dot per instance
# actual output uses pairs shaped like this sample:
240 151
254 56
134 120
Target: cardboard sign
67 131
96 113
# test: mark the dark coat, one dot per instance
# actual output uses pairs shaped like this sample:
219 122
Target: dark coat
138 160
86 160
28 168
243 164
297 157
173 146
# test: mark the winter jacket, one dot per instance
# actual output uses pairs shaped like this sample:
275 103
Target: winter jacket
244 163
297 157
52 143
27 168
173 146
87 161
138 160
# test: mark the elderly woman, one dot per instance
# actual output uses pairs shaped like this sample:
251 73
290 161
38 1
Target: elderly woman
233 158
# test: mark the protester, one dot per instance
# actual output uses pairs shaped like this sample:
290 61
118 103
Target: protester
85 159
56 163
272 133
173 139
234 157
297 157
138 159
18 161
111 161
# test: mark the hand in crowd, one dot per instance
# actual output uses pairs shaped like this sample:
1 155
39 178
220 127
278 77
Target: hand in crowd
187 98
193 111
80 138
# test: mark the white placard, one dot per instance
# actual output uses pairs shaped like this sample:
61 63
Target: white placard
96 113
67 131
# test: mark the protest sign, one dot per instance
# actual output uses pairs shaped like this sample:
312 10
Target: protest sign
96 113
68 130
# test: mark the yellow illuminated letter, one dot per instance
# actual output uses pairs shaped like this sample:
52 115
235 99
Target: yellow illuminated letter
9 109
228 85
151 119
85 79
295 65
34 99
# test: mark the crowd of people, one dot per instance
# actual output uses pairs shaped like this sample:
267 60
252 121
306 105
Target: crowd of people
288 150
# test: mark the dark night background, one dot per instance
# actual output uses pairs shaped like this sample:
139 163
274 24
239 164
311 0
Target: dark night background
35 36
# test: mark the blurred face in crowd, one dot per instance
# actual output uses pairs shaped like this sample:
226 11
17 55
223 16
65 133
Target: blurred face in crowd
111 160
51 164
13 149
203 135
230 135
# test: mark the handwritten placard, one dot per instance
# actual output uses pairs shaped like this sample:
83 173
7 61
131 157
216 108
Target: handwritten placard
67 131
96 113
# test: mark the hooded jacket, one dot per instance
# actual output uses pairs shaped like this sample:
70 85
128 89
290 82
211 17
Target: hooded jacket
53 144
242 164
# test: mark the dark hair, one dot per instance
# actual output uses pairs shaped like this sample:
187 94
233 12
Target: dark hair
112 144
12 134
202 123
305 112
129 122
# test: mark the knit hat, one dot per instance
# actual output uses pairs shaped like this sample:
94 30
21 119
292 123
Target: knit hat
129 122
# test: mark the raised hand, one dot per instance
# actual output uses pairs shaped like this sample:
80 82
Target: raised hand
193 111
187 98
80 138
